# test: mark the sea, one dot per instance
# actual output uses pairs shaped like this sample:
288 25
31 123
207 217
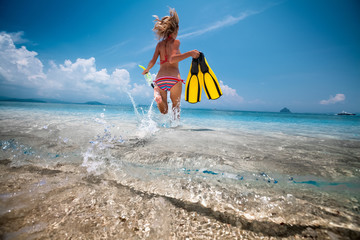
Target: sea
128 172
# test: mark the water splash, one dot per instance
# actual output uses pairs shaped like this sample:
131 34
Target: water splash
174 117
134 105
98 156
171 119
147 126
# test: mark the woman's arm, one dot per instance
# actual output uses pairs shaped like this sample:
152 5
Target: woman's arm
153 60
176 56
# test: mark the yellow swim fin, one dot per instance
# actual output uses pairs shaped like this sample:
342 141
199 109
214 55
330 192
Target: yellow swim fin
193 85
209 80
201 76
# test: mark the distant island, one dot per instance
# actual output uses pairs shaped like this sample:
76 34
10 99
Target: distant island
20 100
94 103
7 99
285 110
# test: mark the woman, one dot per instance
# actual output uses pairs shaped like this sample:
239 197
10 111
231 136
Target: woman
168 78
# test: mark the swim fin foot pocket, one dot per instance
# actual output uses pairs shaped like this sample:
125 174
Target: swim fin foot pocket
201 76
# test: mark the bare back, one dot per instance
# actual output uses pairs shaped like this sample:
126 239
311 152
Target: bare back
166 49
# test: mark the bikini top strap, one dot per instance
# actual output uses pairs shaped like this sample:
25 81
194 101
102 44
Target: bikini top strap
166 59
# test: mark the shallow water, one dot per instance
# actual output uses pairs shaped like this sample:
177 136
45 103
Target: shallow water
108 171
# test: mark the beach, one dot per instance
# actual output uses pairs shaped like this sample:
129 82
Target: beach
119 172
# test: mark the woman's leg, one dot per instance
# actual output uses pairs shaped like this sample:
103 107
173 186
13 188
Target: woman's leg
175 96
162 105
157 95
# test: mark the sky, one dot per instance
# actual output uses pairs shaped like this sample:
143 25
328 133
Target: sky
299 54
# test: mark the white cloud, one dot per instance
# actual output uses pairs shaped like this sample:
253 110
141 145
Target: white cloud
141 90
73 81
150 46
229 100
129 65
121 79
114 48
18 65
229 20
83 79
98 76
332 100
230 94
17 37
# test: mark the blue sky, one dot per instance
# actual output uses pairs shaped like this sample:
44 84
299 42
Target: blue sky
302 54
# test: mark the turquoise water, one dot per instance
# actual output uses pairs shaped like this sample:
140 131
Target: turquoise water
326 125
249 165
124 123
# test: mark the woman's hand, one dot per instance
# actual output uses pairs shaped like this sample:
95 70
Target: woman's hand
145 72
195 53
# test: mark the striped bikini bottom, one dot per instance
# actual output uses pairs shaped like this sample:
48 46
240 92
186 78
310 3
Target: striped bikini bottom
166 83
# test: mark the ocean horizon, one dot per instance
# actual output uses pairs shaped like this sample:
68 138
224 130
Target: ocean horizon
192 106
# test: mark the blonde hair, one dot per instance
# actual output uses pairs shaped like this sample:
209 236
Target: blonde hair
167 25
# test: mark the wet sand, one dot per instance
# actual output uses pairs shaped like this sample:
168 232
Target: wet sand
65 202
